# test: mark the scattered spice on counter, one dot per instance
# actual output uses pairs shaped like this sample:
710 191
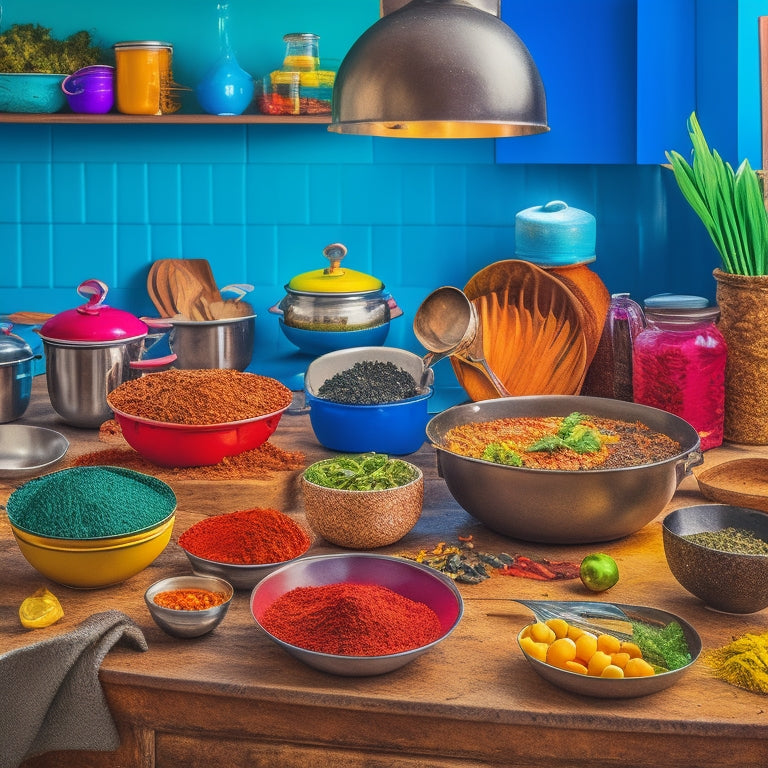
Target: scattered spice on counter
462 563
246 537
90 502
189 599
743 662
737 541
369 382
205 396
351 620
260 462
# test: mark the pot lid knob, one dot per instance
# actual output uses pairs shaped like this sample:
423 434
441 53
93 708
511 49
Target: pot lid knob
555 235
13 349
94 321
334 278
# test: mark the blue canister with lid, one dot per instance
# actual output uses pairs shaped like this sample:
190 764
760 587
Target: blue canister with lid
555 235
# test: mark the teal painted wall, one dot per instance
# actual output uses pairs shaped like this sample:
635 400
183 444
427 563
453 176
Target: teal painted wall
261 201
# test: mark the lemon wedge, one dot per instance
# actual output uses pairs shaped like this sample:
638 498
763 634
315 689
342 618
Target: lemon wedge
40 609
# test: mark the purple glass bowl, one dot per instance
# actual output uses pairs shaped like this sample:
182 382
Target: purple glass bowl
406 577
90 90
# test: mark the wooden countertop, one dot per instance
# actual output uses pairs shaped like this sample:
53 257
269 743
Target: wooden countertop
233 698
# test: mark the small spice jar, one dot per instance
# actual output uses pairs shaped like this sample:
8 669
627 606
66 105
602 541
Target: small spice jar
679 363
300 86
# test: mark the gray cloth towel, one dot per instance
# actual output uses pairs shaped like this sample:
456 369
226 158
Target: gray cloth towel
50 694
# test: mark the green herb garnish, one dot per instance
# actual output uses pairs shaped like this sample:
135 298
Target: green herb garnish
364 472
730 205
573 435
664 647
502 453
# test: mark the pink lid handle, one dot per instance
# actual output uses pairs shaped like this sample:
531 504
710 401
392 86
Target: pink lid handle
96 293
152 363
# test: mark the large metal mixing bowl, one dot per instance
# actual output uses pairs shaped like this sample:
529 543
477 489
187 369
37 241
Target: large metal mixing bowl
560 506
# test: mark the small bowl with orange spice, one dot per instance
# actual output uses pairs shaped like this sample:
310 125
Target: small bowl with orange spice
244 546
189 606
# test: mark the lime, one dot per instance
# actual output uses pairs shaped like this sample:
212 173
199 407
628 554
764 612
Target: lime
598 572
40 609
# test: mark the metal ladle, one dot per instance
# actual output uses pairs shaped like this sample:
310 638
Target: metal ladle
446 324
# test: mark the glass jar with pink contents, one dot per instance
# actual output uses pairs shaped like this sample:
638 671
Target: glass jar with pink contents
679 363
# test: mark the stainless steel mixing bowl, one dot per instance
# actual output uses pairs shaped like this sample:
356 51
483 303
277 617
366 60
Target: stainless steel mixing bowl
560 506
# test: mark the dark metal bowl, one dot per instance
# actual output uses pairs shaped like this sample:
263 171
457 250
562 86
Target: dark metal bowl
725 581
559 506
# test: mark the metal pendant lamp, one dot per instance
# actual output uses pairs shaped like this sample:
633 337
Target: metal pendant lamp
439 69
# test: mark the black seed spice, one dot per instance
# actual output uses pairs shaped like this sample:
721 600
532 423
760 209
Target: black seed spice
369 382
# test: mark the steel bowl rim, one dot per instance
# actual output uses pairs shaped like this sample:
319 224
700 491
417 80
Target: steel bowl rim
55 436
372 556
244 566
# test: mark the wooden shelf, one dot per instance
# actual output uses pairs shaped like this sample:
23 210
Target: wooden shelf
173 119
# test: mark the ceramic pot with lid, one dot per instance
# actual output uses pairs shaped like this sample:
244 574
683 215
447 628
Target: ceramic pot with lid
89 351
335 308
16 358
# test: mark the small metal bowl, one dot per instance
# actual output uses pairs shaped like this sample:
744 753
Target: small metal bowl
413 580
27 450
239 576
725 581
188 623
628 687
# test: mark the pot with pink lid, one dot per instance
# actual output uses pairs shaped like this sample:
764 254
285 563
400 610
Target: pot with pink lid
90 350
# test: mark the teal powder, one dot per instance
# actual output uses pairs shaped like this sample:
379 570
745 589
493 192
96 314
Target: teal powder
90 502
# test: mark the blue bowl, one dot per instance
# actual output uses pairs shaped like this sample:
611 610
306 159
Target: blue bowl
395 428
322 342
31 92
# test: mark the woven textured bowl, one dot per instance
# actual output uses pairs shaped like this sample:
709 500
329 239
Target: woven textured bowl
363 519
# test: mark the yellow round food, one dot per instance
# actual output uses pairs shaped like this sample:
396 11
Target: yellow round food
40 609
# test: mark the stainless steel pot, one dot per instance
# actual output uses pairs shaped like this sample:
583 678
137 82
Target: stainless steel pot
209 343
559 506
16 358
91 350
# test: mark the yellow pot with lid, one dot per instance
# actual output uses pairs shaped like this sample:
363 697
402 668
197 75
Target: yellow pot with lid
335 308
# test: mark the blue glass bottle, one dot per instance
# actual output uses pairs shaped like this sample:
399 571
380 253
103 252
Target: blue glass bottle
226 89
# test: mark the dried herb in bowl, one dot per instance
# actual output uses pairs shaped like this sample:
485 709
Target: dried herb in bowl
363 472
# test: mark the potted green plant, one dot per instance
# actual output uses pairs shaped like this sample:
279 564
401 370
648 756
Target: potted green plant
732 207
33 65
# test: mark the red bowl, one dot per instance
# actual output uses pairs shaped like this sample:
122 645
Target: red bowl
195 445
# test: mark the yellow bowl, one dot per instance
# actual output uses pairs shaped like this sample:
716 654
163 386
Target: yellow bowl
93 563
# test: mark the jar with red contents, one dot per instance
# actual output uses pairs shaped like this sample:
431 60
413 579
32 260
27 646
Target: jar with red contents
679 363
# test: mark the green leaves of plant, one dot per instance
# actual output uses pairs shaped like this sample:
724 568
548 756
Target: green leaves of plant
730 205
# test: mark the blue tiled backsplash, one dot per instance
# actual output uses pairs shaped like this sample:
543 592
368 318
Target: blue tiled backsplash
261 202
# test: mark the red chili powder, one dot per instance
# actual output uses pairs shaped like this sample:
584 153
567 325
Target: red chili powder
248 537
351 620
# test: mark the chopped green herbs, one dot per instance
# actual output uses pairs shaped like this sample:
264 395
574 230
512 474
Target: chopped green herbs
30 48
664 647
502 453
364 472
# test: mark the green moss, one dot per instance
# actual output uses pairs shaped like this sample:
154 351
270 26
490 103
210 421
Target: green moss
30 48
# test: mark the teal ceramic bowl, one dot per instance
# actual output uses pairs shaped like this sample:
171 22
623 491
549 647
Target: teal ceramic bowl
31 92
